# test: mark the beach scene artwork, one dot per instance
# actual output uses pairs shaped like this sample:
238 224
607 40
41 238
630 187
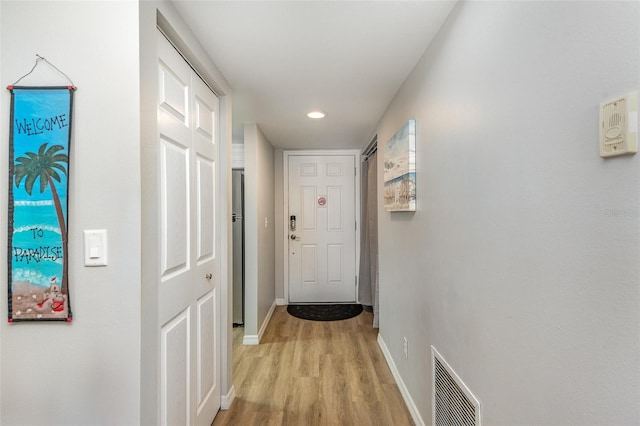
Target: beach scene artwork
39 165
400 170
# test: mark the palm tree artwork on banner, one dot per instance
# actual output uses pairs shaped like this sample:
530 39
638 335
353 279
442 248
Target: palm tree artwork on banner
39 168
46 166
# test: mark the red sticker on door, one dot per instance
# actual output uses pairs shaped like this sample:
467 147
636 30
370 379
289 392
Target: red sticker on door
322 201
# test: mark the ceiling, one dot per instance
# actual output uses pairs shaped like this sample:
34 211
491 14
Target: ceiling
286 58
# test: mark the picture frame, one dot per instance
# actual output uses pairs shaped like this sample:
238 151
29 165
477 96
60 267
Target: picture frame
400 170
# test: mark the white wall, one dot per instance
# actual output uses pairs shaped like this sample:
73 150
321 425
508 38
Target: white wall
521 264
88 371
259 238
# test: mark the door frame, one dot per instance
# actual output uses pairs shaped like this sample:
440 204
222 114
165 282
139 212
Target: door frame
285 200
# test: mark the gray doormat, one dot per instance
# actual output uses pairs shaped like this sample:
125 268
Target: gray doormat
325 312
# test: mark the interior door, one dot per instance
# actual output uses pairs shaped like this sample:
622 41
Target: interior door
189 302
322 229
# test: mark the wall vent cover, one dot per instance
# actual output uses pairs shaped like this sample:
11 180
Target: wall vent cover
453 402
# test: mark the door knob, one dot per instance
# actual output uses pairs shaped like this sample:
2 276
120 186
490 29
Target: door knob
293 237
208 276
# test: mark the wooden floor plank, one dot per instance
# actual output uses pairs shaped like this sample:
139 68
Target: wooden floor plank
313 373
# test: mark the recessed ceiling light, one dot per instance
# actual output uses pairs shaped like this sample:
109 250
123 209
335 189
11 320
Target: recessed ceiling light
316 114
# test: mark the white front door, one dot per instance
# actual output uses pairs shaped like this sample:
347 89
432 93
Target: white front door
322 247
189 296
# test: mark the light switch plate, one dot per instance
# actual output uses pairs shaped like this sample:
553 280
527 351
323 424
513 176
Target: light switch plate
95 247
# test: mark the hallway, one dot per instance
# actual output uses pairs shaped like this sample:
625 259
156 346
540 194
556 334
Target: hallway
519 266
313 373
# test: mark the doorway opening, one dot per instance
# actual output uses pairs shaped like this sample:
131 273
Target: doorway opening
368 274
237 219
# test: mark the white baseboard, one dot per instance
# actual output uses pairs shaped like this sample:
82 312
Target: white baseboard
265 323
282 302
252 339
411 406
227 400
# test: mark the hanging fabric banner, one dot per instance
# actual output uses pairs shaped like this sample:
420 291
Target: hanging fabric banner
38 261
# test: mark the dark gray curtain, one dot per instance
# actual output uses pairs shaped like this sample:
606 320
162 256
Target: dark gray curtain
368 289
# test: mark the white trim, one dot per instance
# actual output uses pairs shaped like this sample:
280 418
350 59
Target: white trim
285 200
253 339
282 302
411 406
227 400
266 321
250 340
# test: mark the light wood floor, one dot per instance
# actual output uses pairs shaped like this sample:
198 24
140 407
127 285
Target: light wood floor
313 373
